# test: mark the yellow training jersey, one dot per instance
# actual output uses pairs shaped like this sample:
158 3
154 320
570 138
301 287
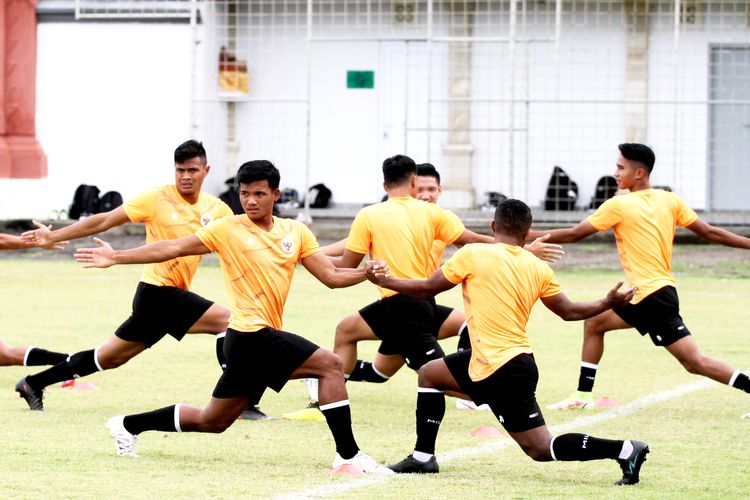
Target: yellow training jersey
168 216
401 232
644 223
436 255
500 285
257 266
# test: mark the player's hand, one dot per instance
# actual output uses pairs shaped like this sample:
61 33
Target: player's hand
376 271
40 237
60 245
100 257
617 298
549 252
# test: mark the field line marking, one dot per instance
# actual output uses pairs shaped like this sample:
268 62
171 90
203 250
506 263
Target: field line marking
626 409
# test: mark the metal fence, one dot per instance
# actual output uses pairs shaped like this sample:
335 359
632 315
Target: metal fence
495 93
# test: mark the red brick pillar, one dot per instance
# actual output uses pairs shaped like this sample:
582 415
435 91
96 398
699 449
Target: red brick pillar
18 92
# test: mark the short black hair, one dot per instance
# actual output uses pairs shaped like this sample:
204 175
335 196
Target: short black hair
428 170
188 150
398 170
259 170
512 217
640 153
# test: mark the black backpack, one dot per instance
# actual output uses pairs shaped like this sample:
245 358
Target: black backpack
109 201
85 202
319 196
562 192
606 187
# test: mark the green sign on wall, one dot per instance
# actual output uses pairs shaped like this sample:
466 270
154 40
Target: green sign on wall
360 79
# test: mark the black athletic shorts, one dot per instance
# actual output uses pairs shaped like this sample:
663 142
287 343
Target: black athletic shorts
658 315
161 310
406 325
256 360
441 314
510 391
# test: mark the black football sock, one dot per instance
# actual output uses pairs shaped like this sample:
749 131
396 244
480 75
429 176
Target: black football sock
430 412
339 418
164 419
38 357
364 371
79 364
582 447
587 377
740 380
464 342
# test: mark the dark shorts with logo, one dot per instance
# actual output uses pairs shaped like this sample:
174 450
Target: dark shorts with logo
510 391
161 310
406 325
658 315
441 314
256 360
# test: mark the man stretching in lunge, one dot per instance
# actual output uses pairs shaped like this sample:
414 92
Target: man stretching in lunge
644 223
501 283
162 303
25 355
447 322
258 254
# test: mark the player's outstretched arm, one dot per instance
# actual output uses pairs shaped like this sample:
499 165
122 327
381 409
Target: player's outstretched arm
568 235
549 252
160 251
377 272
10 242
574 311
331 276
718 235
334 249
44 236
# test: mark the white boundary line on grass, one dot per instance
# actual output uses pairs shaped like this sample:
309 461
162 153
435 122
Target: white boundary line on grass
448 456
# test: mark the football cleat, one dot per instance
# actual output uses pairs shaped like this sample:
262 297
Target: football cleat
411 465
364 462
631 467
124 441
33 397
576 401
253 413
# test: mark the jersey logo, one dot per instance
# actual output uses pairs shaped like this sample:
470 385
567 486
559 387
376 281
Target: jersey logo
206 219
287 245
175 216
250 241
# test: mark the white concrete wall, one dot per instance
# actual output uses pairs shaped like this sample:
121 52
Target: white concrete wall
113 102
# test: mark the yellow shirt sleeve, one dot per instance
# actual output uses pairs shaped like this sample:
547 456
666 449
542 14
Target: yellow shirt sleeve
607 215
142 207
360 234
308 243
449 226
685 214
460 266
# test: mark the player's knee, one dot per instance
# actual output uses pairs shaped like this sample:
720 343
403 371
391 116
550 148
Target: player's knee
537 451
426 376
693 364
592 326
331 363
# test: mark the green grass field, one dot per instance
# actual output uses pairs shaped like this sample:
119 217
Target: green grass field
699 444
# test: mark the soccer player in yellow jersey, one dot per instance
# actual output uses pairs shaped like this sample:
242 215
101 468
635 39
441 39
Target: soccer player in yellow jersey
162 303
501 283
258 254
447 322
644 223
25 355
401 231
